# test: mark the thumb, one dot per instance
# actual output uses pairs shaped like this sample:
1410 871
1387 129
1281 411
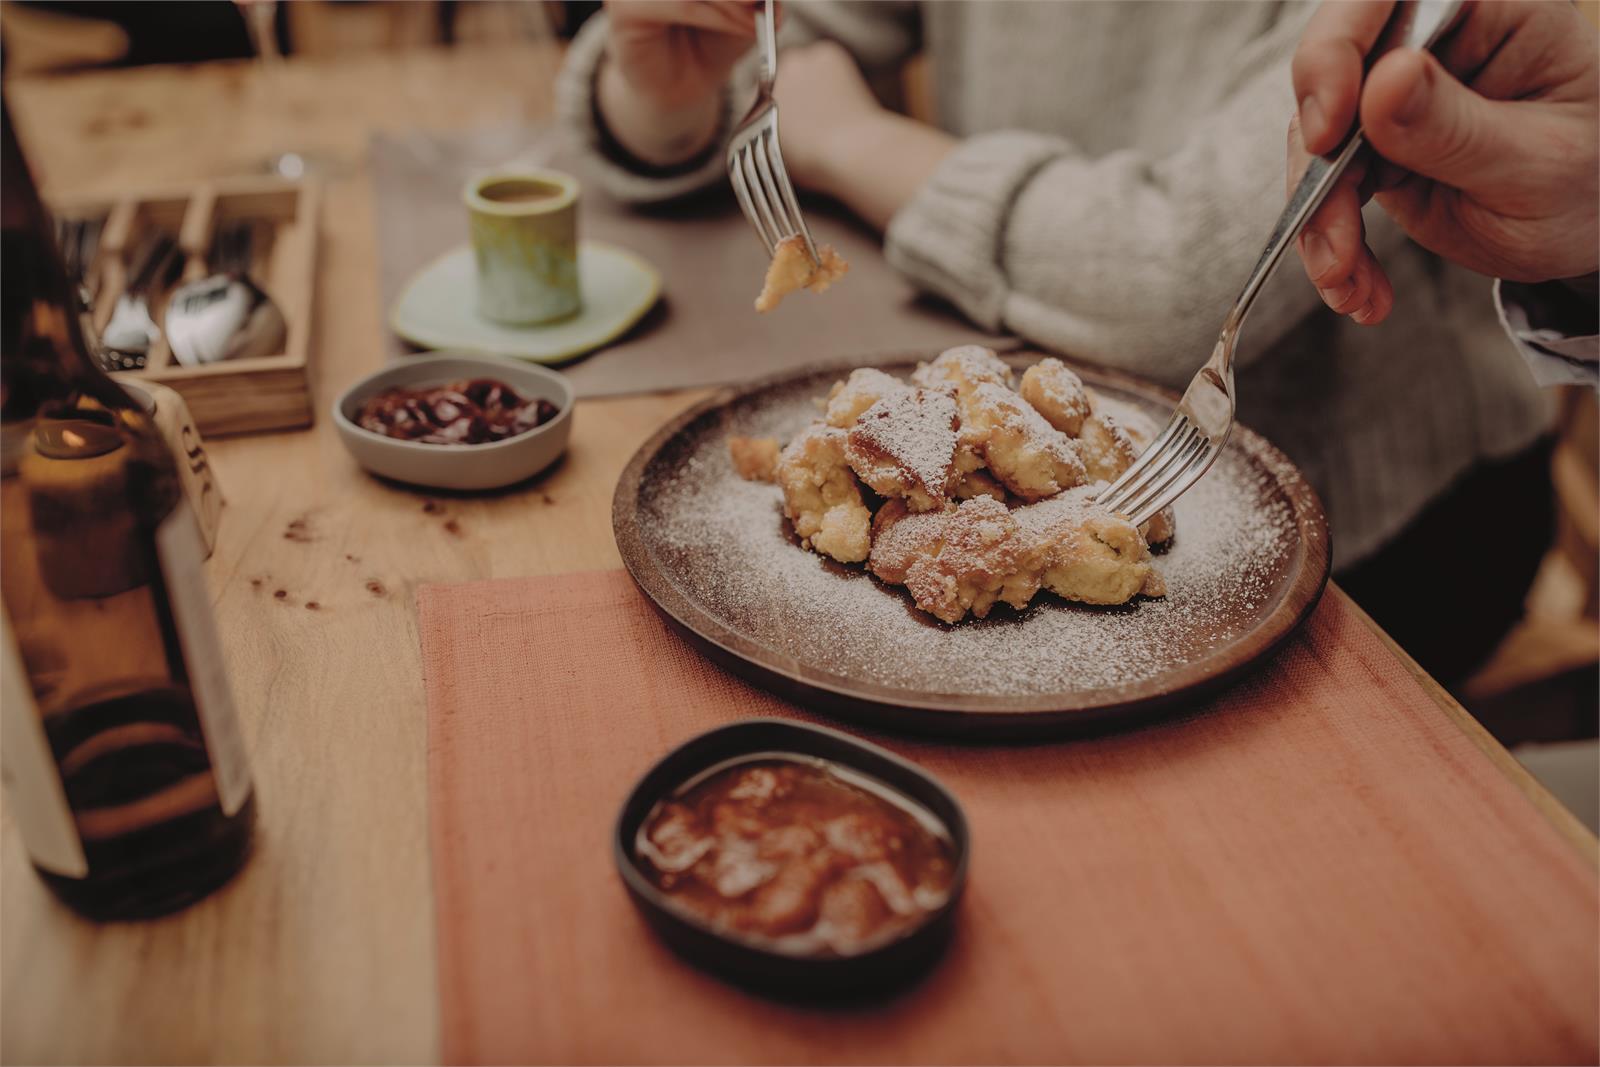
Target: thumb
1416 114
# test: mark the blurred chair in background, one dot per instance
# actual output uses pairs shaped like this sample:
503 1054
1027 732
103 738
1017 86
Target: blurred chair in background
42 41
56 36
1543 682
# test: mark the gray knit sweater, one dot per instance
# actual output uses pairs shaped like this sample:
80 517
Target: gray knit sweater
1120 168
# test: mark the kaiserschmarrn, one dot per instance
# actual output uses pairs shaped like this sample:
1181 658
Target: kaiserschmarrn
966 486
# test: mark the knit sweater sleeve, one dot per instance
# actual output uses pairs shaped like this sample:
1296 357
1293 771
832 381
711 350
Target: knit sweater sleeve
879 35
1128 259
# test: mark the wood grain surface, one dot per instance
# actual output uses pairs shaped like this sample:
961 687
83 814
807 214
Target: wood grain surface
323 949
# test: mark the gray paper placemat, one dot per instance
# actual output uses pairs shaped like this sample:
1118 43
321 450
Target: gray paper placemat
704 331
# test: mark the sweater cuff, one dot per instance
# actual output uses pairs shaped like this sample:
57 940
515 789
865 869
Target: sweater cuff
622 177
949 238
1553 326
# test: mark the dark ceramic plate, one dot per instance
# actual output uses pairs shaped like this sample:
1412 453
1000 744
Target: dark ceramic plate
880 970
715 555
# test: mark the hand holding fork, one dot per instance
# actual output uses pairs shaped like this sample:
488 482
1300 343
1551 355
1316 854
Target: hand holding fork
1183 452
755 162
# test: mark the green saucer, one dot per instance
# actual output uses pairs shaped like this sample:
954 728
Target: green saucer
437 309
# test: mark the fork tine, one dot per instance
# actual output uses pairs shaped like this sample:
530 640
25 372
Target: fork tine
1174 457
747 205
1192 473
1173 466
1117 490
1172 472
773 232
786 192
1156 461
761 152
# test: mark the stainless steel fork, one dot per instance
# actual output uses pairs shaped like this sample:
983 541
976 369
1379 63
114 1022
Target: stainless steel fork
1193 439
755 163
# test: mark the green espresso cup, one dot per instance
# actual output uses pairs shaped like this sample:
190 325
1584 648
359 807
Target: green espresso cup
525 241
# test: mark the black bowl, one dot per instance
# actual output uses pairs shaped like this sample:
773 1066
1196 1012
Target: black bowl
879 971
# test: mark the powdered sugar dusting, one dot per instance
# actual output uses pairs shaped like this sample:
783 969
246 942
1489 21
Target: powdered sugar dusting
1004 406
864 388
917 430
1057 394
724 543
1042 518
964 367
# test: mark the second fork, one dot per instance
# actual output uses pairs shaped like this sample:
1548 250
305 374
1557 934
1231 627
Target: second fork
755 162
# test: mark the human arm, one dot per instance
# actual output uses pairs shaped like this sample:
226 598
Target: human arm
840 141
1128 256
654 133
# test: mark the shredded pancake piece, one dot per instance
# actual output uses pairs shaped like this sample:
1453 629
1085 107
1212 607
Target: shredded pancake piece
986 493
1057 394
1031 458
971 477
1106 448
1080 551
951 562
905 445
964 367
755 458
791 269
821 496
1159 530
864 388
969 558
1109 448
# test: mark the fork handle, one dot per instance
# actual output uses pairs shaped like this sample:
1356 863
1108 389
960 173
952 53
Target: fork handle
157 254
1414 24
768 39
1321 175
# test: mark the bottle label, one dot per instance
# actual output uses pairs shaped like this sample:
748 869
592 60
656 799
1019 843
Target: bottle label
179 546
38 801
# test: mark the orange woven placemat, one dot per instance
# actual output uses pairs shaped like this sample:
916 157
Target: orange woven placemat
1318 865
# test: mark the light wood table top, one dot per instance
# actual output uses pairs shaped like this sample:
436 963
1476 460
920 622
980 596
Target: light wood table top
322 949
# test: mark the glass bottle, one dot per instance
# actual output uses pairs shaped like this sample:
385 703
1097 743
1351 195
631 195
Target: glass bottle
122 756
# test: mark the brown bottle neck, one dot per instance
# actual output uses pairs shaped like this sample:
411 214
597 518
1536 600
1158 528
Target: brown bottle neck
42 346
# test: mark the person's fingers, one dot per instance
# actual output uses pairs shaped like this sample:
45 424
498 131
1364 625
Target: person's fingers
1379 303
1333 247
736 17
1327 68
1332 244
1416 115
1510 49
1386 175
1357 284
1298 157
1351 294
1426 211
1477 34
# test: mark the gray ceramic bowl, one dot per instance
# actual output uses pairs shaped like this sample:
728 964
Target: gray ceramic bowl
489 466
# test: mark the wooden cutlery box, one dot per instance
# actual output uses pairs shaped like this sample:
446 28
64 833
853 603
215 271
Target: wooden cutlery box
271 392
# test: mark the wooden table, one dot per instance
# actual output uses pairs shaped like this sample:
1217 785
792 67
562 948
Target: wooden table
322 950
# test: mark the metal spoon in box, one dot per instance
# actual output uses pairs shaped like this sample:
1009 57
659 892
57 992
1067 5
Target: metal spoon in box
225 315
132 330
